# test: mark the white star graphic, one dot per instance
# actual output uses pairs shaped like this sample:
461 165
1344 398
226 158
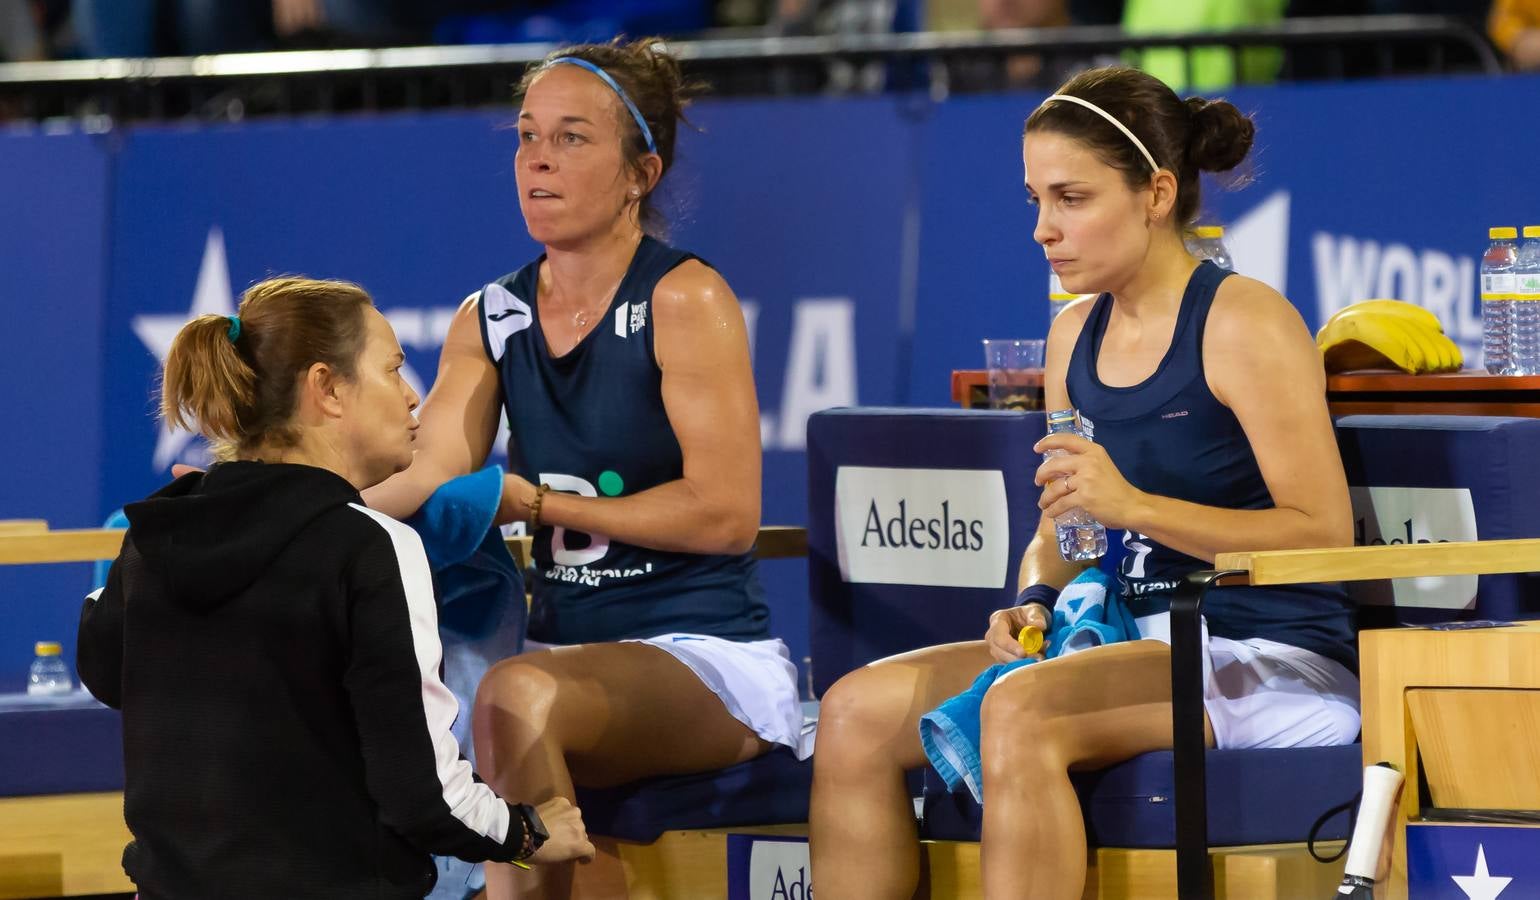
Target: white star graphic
1479 885
212 296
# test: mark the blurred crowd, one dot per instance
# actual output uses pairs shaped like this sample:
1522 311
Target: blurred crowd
52 29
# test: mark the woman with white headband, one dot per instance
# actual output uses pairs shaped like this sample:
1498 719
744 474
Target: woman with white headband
1212 435
623 367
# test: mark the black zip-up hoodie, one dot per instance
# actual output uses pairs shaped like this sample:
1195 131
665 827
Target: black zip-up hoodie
273 645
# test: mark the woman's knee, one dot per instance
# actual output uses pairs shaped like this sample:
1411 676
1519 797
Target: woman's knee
1014 699
515 695
858 715
1017 724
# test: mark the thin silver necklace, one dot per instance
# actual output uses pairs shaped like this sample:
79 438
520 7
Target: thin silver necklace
582 318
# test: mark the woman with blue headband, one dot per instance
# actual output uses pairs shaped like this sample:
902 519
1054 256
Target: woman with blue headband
1207 396
623 367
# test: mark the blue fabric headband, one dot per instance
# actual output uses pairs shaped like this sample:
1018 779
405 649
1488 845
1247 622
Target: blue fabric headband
604 76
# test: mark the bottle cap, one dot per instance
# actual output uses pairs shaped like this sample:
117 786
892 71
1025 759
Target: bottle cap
1209 232
1030 639
47 648
1063 420
1532 231
1502 234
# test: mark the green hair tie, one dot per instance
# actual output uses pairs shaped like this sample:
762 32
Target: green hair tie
235 328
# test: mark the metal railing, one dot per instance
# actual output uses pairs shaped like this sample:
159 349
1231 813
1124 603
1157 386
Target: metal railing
233 86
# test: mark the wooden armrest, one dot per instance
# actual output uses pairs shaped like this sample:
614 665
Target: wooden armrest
66 545
774 542
31 545
781 542
1392 561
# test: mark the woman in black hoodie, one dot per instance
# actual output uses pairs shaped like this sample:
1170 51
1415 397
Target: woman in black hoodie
273 642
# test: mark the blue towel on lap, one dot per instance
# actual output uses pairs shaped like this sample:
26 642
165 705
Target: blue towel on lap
1089 613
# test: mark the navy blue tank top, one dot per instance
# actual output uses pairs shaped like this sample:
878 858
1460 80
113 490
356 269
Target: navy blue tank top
592 422
1170 436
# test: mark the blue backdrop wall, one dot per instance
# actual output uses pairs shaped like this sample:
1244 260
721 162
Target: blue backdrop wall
53 267
873 241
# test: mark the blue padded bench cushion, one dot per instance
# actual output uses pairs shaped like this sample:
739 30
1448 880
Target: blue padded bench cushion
75 745
59 745
769 790
1254 797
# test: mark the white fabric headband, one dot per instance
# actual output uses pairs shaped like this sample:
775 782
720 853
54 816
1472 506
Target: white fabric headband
1110 118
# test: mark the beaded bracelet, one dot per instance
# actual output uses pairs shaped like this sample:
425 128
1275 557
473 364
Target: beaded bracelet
534 507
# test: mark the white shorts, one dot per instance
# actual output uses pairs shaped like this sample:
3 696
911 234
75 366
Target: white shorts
1260 693
755 680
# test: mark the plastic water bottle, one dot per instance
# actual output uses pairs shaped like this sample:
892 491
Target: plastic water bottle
1208 242
49 676
1524 353
1497 300
1080 536
1058 297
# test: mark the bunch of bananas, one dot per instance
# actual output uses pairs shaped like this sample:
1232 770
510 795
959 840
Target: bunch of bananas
1381 334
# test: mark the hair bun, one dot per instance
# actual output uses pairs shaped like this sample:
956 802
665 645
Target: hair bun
1220 136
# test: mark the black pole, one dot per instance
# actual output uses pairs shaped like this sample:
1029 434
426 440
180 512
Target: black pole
1194 877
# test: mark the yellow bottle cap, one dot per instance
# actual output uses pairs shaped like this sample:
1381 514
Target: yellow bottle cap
1209 231
1502 234
47 648
1030 639
1532 231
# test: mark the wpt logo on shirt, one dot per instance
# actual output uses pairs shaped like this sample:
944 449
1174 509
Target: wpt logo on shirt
937 527
1401 515
630 318
765 868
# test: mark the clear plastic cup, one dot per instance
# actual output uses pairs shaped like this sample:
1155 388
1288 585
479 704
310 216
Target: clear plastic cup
1012 365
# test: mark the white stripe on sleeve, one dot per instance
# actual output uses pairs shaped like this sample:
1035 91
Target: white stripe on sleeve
475 804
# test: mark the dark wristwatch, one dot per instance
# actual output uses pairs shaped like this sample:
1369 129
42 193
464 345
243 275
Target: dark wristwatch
535 834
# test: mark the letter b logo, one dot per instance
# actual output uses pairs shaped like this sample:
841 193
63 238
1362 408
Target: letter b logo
598 544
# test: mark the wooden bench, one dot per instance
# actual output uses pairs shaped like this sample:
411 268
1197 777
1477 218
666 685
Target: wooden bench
70 844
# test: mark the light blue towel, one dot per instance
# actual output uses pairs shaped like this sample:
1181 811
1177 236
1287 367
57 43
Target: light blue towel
453 521
1089 613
